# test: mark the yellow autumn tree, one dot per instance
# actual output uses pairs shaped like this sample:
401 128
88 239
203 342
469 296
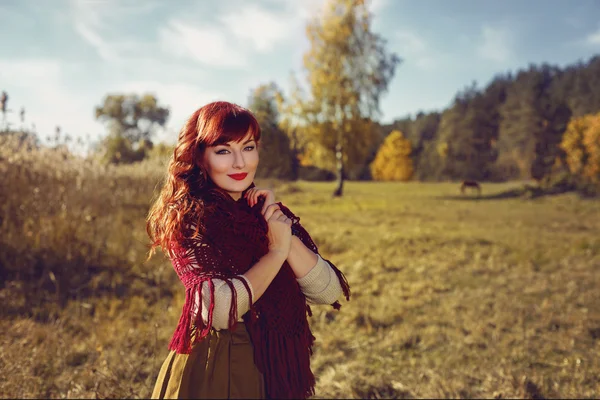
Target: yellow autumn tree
348 69
393 161
581 143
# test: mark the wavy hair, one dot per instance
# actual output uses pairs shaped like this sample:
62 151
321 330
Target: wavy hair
180 199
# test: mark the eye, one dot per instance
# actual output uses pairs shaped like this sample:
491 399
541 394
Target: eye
222 151
250 147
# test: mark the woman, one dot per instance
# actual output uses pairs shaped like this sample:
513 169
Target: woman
249 268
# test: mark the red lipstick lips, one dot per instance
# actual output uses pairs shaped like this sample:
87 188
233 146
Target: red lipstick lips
238 177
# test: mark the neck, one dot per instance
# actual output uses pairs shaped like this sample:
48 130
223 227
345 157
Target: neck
235 195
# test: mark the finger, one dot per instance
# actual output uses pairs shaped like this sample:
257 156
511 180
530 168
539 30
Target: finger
272 210
270 196
284 218
271 213
252 198
248 196
278 215
266 205
255 196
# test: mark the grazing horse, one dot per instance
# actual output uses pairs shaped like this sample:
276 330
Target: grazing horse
470 184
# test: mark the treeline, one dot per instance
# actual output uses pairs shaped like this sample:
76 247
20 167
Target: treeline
511 129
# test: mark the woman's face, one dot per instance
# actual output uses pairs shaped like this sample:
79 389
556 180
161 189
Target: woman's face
232 166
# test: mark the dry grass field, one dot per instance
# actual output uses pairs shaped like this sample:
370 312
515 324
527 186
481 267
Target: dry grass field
453 297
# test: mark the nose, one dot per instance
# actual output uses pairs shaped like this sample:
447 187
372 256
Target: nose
238 160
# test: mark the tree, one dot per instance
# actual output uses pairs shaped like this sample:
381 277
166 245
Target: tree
534 118
291 112
132 117
470 130
455 146
393 161
579 85
117 149
348 69
424 131
581 143
275 155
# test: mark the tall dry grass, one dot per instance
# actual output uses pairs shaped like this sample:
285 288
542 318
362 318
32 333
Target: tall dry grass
453 297
74 288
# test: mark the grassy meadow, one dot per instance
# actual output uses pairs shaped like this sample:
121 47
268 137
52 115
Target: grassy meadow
452 296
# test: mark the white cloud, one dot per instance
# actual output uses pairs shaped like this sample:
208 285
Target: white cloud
263 28
301 10
106 51
26 72
496 44
39 86
413 49
99 23
593 38
411 42
377 6
89 19
237 34
207 45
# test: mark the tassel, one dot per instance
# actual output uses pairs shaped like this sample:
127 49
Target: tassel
284 362
209 321
180 342
343 283
253 315
232 322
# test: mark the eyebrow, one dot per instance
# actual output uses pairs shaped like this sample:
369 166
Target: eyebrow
228 145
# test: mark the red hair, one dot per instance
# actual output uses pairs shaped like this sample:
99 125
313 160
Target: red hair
180 199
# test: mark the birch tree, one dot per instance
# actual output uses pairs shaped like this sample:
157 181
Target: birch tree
348 69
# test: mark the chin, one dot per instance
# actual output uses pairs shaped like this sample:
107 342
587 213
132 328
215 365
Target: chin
238 186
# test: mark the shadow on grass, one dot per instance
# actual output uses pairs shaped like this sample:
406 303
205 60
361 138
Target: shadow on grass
508 194
526 192
43 289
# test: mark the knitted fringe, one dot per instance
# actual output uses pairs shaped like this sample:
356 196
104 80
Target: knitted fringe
192 330
343 283
284 362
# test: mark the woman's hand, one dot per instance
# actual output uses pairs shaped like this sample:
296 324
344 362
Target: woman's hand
280 231
253 194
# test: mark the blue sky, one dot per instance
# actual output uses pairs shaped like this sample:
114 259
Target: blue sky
60 58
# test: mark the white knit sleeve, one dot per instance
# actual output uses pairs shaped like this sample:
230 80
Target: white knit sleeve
222 301
321 285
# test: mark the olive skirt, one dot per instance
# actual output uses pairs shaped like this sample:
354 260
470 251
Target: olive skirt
221 366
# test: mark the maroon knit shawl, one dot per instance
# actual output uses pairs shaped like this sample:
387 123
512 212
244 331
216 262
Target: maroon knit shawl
234 240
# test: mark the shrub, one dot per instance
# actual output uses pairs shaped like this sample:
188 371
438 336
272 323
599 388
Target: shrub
393 161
